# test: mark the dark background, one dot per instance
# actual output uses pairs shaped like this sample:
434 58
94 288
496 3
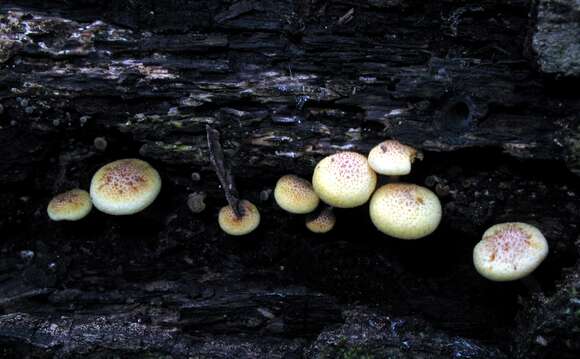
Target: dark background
488 90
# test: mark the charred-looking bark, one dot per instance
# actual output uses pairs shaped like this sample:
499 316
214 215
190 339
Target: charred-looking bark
487 90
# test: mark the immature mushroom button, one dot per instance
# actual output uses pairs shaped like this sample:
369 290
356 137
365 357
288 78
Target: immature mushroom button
393 158
295 195
344 180
509 251
239 226
70 206
125 187
405 211
321 222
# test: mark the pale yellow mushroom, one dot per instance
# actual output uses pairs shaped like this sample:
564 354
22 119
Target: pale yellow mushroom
393 158
344 180
70 206
295 195
125 187
405 211
239 226
509 251
321 222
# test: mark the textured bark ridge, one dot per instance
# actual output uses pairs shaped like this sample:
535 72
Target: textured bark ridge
486 89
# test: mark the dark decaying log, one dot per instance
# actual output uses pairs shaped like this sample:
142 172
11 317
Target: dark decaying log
486 89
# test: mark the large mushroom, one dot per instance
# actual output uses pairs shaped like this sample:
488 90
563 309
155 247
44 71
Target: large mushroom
344 180
509 251
125 187
405 211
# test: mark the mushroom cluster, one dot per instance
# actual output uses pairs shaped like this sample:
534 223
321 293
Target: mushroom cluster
122 187
507 251
349 179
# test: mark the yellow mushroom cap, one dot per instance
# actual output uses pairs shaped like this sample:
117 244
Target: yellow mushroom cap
322 222
235 226
392 158
509 251
295 195
344 180
70 206
125 187
405 211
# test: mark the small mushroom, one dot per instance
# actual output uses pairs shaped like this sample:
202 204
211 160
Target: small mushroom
344 180
196 202
70 206
295 195
509 251
393 158
239 226
405 211
321 222
125 187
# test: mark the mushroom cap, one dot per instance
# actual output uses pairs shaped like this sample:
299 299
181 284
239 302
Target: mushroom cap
70 206
125 187
344 180
235 226
295 195
405 211
321 222
392 158
509 251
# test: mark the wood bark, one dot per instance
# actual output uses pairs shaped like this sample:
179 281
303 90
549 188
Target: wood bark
478 86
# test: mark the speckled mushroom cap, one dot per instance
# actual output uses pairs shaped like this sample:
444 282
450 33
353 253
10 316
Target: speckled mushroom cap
393 158
125 187
509 251
70 206
321 222
235 226
344 180
405 211
295 195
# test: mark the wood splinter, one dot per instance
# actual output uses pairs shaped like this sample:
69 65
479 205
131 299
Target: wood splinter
223 172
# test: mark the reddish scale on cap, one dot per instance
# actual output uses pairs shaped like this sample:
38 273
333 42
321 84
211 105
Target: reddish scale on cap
125 176
509 251
507 245
393 158
405 211
344 180
70 199
295 195
125 186
321 223
238 226
71 206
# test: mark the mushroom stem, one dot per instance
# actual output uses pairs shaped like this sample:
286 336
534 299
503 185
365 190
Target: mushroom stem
216 156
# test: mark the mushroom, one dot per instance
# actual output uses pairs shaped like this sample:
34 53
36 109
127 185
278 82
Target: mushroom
405 211
509 251
239 226
295 195
393 158
344 180
70 206
125 187
321 222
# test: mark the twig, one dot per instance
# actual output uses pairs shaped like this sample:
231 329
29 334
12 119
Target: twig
216 156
